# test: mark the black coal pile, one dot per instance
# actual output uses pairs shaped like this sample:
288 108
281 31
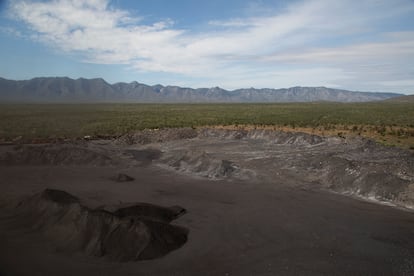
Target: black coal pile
137 232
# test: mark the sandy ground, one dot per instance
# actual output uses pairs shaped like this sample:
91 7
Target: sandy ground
247 216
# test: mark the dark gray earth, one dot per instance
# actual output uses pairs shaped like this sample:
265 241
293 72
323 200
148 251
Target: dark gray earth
207 202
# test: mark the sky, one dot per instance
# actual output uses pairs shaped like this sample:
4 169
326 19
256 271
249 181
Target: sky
362 45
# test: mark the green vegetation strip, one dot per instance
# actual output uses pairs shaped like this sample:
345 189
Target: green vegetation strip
73 121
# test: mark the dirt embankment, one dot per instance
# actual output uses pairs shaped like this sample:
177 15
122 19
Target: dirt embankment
273 136
354 166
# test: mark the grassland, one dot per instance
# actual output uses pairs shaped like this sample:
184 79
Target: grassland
389 123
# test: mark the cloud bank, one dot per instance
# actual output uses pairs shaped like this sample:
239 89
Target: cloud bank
348 44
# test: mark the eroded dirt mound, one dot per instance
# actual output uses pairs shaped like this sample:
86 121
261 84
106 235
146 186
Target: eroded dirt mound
384 174
352 165
276 137
137 232
149 136
54 154
203 164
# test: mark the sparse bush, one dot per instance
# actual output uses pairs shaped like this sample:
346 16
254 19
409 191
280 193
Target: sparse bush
74 121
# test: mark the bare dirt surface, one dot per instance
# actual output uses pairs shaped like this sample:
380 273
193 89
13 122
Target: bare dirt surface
207 202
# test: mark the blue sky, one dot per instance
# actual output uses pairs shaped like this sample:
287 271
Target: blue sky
365 45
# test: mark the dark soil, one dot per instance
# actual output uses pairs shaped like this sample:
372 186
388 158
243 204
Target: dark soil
256 203
121 177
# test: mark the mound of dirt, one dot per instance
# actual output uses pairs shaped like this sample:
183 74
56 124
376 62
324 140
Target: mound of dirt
275 137
138 232
54 154
203 164
372 180
358 167
149 136
352 165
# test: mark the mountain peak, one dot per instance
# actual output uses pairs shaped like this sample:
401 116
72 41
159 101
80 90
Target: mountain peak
64 89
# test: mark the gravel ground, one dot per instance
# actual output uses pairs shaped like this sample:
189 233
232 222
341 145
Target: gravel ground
257 202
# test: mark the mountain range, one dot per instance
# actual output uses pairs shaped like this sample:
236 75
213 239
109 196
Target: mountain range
67 90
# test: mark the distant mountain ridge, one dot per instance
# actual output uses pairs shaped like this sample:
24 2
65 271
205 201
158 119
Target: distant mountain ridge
67 90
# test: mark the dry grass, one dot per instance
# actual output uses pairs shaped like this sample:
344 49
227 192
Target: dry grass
387 122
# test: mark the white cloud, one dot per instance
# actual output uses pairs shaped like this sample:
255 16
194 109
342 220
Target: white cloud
286 48
399 82
392 47
11 31
280 77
